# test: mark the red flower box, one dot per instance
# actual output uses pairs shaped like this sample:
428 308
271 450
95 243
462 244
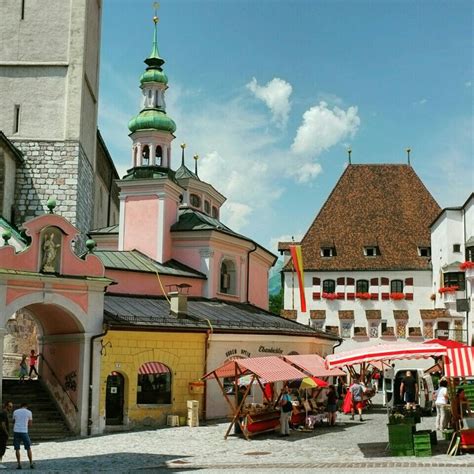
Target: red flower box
397 296
329 296
466 265
363 296
448 289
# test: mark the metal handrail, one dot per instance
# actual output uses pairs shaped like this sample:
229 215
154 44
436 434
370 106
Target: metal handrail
59 382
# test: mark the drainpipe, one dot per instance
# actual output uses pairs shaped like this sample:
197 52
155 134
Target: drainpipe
466 295
204 401
91 366
248 268
109 203
337 345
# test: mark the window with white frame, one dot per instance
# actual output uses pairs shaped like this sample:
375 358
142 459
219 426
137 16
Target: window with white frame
228 277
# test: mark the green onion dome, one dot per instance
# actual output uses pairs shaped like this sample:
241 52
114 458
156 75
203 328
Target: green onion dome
154 75
152 118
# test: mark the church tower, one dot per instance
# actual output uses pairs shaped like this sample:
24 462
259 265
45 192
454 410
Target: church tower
149 193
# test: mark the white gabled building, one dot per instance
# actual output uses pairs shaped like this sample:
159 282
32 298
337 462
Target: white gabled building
452 242
367 260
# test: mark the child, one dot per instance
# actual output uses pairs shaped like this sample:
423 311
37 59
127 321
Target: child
33 359
23 368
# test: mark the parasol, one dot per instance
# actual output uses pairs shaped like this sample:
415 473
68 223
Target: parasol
312 382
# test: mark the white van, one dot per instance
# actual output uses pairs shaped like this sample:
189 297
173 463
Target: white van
392 379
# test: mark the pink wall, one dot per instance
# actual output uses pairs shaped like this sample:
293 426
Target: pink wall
258 286
141 224
187 255
137 283
171 210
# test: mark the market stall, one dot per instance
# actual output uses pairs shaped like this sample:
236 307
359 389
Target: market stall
459 364
254 418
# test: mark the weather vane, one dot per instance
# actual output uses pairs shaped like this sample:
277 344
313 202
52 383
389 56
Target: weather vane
408 150
156 5
349 152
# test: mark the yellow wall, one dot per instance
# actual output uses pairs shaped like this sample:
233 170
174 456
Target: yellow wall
183 353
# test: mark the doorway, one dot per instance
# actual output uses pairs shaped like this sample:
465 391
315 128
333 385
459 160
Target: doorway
114 399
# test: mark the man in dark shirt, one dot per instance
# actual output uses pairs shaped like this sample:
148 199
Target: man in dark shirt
4 429
409 390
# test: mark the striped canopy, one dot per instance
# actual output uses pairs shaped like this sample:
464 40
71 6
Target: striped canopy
459 362
313 364
271 369
381 352
153 368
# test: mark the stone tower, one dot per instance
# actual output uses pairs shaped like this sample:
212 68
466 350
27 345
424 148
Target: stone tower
49 78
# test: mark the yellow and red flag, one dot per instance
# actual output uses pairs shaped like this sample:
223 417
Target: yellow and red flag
297 258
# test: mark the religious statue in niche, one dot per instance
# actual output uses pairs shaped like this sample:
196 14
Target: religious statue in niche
50 247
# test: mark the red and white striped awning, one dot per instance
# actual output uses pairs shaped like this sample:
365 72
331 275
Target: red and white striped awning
313 364
381 352
271 369
459 362
153 368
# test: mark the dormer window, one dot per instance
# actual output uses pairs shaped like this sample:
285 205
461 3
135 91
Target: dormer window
195 200
207 207
424 251
371 251
328 252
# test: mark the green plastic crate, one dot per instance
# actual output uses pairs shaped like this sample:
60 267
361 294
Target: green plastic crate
422 439
421 453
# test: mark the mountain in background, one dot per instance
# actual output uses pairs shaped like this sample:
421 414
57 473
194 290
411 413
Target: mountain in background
274 278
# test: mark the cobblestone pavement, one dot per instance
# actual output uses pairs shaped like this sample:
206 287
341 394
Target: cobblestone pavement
349 446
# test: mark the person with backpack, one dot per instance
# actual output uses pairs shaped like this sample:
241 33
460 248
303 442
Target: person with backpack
286 408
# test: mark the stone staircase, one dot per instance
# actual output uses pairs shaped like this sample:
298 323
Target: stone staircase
48 422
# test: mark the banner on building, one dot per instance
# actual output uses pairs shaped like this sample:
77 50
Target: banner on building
297 258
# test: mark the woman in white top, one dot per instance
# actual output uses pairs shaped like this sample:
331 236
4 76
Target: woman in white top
440 403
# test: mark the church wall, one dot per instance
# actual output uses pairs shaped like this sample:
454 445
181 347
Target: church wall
7 182
258 283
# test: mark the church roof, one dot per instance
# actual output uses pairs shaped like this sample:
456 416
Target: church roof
112 229
133 260
150 312
385 206
183 172
5 225
15 151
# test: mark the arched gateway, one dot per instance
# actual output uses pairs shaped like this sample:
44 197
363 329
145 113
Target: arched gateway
64 294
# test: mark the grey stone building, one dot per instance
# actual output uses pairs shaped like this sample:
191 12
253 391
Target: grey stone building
49 83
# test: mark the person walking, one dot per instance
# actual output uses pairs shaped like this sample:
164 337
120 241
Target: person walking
440 403
23 368
332 405
4 430
23 419
409 390
357 394
33 360
286 408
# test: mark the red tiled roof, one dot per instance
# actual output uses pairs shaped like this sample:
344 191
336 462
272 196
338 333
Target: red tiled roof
383 204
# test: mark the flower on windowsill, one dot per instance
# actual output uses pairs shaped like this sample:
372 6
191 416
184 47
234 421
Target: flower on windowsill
363 296
448 289
329 296
466 265
397 296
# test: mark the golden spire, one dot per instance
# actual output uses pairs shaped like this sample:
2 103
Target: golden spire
183 146
156 5
196 158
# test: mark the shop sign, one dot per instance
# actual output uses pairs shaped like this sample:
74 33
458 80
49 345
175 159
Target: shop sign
270 350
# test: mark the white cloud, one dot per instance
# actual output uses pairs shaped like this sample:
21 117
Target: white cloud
307 172
420 102
468 83
323 128
276 95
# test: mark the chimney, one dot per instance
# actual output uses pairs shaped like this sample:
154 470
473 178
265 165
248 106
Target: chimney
178 304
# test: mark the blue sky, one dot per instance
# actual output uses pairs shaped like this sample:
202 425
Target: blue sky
271 94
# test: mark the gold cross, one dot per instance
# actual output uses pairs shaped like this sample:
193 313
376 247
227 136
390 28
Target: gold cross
156 5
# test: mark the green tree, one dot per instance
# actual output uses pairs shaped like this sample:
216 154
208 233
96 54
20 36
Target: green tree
276 302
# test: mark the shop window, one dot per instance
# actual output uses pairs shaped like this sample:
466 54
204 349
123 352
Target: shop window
215 212
195 200
396 286
329 286
455 279
154 384
228 277
362 286
207 207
